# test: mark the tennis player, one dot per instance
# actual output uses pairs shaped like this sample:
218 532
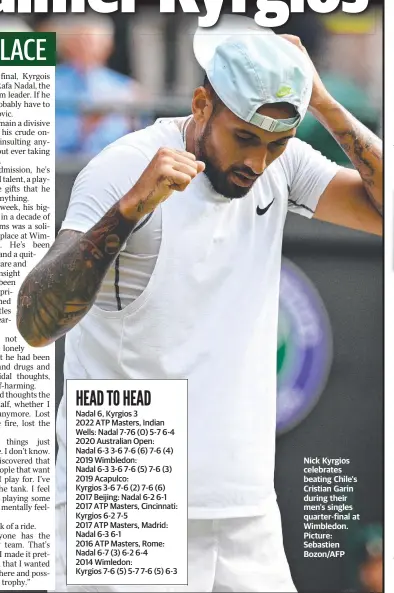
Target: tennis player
168 265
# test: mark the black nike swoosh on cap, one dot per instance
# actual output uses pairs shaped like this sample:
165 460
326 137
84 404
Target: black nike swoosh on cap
261 211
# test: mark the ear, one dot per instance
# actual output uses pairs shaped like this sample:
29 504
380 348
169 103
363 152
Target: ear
202 106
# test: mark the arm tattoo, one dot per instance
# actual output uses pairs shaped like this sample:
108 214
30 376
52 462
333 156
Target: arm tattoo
363 149
61 289
361 146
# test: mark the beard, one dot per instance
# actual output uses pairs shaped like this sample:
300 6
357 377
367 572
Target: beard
219 178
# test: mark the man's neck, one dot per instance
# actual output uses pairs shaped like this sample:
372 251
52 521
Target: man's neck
189 136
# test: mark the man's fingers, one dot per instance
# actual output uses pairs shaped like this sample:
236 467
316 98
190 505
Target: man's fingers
186 168
181 175
186 157
172 157
292 38
295 41
178 180
176 169
186 154
191 169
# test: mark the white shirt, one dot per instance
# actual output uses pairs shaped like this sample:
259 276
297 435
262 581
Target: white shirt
194 294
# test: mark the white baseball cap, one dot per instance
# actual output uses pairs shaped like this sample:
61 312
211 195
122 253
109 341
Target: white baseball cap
249 66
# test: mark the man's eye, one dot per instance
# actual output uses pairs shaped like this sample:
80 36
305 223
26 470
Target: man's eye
280 142
243 138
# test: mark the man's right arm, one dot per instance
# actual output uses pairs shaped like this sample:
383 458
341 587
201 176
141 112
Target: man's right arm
62 288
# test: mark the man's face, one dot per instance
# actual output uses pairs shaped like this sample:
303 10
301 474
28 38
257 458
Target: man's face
236 153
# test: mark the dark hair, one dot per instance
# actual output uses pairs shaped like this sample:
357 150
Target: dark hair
216 101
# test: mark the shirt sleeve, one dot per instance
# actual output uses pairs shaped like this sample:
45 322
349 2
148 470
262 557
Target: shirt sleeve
308 174
106 179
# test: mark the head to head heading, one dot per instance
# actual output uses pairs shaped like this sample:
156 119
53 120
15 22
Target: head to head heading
256 92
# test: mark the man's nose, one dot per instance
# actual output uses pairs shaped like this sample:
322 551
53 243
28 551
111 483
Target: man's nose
257 161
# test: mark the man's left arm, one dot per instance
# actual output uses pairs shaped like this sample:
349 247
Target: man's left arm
354 198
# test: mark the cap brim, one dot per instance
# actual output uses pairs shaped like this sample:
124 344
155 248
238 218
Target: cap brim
207 39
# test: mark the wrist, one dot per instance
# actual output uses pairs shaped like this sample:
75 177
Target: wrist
322 105
130 208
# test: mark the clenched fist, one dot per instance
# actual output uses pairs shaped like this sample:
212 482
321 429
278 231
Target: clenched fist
170 170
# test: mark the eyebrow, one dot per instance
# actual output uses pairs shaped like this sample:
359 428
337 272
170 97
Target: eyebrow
243 131
284 138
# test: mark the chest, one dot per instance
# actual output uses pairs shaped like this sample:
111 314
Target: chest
215 231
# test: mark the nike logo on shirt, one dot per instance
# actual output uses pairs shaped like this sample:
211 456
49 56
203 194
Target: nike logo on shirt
261 211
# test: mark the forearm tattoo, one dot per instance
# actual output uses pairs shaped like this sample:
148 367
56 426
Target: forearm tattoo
61 289
365 152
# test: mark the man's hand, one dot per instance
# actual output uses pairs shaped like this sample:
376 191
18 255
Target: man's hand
353 198
61 289
320 95
170 170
